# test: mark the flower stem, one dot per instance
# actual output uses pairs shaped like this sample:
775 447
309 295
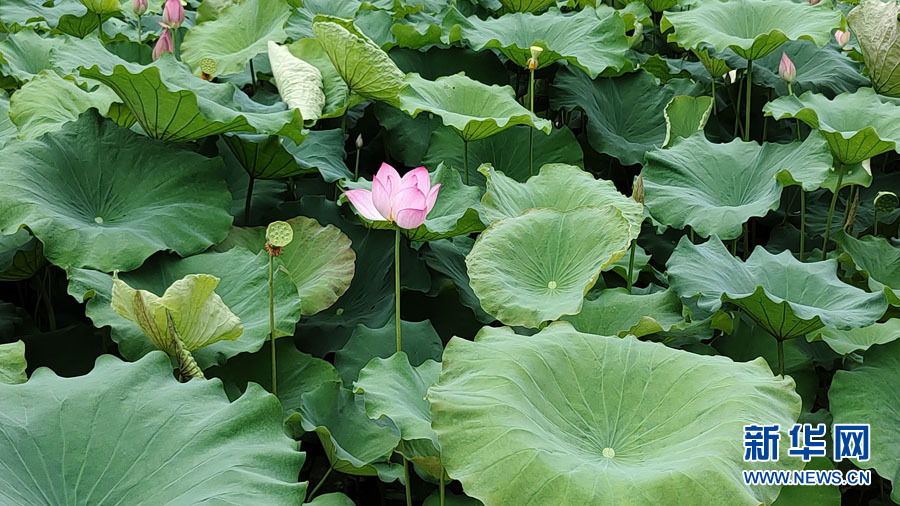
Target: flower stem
406 478
875 232
247 202
272 319
631 264
714 93
531 130
356 166
802 223
441 485
176 43
780 356
318 485
465 161
139 30
747 104
834 197
252 77
397 288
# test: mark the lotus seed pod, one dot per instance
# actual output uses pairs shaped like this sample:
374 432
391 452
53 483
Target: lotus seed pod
279 234
886 202
208 66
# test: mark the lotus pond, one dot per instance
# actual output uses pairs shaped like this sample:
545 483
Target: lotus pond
449 252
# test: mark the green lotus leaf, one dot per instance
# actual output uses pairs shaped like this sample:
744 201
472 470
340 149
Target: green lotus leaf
299 83
784 296
273 157
198 313
297 373
448 257
188 436
21 255
473 109
419 30
750 28
249 25
7 127
331 499
365 68
572 418
25 54
352 441
300 23
172 104
869 394
456 211
856 125
538 266
136 197
243 288
337 95
819 69
715 188
685 115
395 389
12 363
615 312
420 343
506 151
209 10
102 6
557 186
69 16
625 114
319 260
849 341
48 101
875 25
580 38
526 5
877 259
717 67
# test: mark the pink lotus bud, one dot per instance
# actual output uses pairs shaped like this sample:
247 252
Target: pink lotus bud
405 201
139 7
786 68
842 37
164 44
173 14
813 2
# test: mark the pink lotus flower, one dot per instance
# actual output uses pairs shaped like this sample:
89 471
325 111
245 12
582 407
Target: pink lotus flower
405 200
173 14
164 44
786 68
139 7
842 37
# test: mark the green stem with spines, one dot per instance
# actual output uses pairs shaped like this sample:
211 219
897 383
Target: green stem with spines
747 104
272 319
631 264
780 356
319 484
531 129
802 223
834 196
465 161
397 286
247 202
406 479
139 31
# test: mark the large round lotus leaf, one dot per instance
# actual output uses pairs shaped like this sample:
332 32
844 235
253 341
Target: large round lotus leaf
848 341
69 16
750 28
351 440
819 69
21 255
786 297
615 312
580 38
473 109
856 125
300 23
7 127
363 65
506 151
319 259
135 196
871 394
456 211
557 186
625 114
875 25
562 417
274 157
877 259
243 287
125 428
25 54
172 104
526 5
337 95
715 188
249 25
48 101
685 115
538 266
12 363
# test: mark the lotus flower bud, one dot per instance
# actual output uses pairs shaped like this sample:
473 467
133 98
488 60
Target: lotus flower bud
731 77
535 53
173 14
842 37
359 141
786 68
163 45
813 2
139 7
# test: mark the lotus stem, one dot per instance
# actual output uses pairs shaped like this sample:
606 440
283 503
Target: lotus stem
834 197
780 356
252 77
714 93
802 223
319 484
139 29
465 161
746 240
875 232
441 484
356 166
692 236
100 27
176 44
397 287
737 109
747 105
406 478
631 264
247 202
272 319
531 129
